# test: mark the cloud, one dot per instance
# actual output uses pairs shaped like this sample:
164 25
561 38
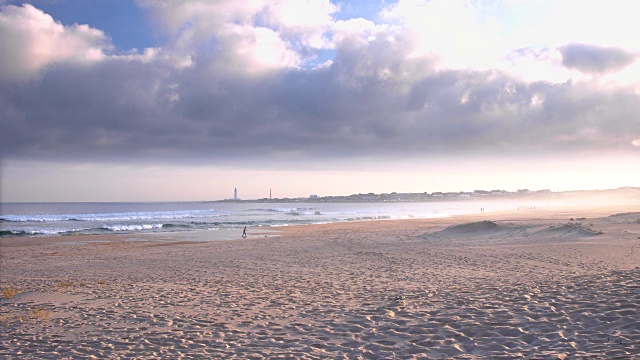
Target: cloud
636 142
595 59
296 18
30 40
369 102
227 87
436 31
250 37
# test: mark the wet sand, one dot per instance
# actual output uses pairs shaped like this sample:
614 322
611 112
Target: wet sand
544 283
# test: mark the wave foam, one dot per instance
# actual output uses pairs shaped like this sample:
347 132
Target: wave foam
126 216
132 227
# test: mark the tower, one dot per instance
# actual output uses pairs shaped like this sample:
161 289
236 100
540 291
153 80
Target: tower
235 194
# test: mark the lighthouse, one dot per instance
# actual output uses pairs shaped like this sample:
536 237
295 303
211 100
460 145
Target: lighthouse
235 193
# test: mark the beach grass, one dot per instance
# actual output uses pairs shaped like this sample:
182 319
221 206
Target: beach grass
40 313
9 292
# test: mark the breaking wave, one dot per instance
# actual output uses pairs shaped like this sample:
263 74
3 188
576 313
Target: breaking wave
125 216
132 227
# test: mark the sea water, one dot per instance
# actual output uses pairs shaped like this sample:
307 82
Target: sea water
37 219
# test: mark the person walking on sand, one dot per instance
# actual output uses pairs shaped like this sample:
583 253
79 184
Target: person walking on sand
244 232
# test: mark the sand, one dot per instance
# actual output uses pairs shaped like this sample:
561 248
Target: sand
543 284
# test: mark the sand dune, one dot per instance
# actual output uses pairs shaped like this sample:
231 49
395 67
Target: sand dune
539 284
474 229
569 230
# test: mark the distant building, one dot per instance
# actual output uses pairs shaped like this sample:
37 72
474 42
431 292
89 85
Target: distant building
367 197
313 196
235 194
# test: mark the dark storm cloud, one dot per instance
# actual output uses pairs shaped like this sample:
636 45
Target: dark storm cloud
370 102
595 59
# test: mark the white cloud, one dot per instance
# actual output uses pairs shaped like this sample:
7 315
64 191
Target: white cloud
356 29
263 35
202 17
599 22
147 55
251 36
549 26
304 22
522 38
300 16
454 31
30 40
262 49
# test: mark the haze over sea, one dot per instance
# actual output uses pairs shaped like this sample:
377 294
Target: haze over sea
217 218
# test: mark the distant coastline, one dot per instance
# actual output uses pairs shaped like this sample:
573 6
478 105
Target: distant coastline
624 193
37 219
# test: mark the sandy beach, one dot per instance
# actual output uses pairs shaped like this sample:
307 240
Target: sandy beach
535 283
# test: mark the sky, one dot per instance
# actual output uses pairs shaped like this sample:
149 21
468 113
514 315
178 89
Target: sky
185 100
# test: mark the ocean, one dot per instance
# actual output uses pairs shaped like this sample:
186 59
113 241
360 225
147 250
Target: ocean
40 219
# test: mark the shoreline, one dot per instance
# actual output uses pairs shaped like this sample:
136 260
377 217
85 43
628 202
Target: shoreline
230 234
70 219
532 283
